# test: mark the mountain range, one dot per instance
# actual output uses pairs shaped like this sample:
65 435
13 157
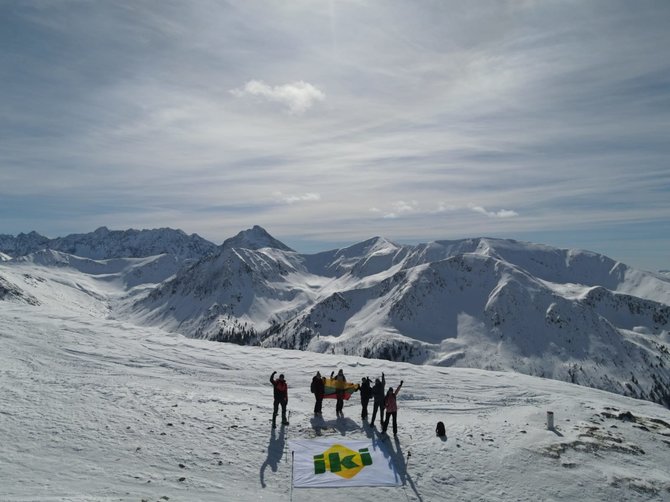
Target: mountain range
486 303
104 244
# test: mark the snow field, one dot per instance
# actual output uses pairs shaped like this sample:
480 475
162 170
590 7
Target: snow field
95 409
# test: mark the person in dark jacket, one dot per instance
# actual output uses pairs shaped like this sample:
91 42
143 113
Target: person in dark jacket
391 406
378 403
280 398
366 394
318 387
340 382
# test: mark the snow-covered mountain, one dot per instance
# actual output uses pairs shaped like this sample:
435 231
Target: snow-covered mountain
80 286
22 244
5 257
485 303
370 257
231 295
254 238
103 244
129 272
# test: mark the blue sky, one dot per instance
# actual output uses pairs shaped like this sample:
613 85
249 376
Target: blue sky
331 122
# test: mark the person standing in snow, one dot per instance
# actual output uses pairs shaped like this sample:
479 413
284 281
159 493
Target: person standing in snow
280 398
378 403
391 406
340 382
366 394
318 387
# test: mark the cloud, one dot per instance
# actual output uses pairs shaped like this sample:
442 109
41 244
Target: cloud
400 208
443 208
306 197
406 207
297 96
503 213
403 208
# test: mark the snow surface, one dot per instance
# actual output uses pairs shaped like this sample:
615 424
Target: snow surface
94 408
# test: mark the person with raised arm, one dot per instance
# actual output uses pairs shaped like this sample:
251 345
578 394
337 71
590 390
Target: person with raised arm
280 398
391 406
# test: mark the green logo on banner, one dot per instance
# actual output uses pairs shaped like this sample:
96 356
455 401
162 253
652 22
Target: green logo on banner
342 461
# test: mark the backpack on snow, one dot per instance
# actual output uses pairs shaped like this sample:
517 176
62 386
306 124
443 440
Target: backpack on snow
440 430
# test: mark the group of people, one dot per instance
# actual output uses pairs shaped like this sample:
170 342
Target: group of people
383 402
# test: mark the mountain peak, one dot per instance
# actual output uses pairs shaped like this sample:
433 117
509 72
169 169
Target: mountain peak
254 238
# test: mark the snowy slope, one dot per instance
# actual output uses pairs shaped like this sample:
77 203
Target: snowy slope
96 409
10 291
129 272
5 257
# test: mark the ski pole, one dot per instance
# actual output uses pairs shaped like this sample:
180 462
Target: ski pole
292 462
404 485
288 419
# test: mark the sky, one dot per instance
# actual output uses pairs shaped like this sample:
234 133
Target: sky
329 122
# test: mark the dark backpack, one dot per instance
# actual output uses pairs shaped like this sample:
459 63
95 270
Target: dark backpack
439 430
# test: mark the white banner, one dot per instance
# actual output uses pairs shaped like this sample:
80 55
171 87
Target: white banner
330 463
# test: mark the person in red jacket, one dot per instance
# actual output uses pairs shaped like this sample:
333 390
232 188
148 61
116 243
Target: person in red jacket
280 398
391 406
